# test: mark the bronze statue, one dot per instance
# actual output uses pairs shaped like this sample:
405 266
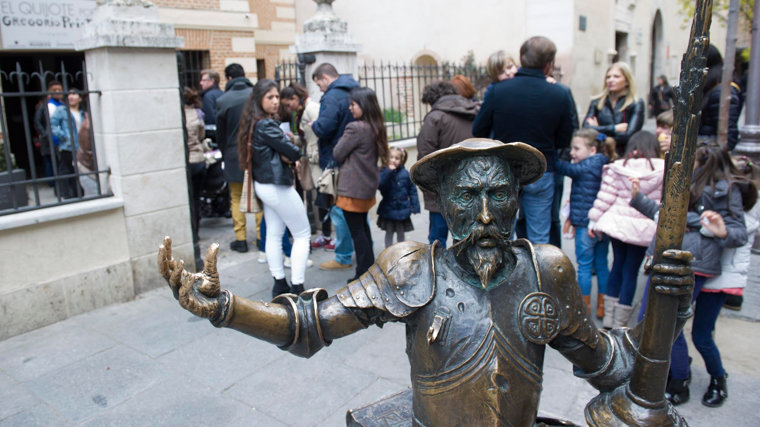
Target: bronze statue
479 314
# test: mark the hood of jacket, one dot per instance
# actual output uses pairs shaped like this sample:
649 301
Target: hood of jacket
649 179
345 81
455 104
238 83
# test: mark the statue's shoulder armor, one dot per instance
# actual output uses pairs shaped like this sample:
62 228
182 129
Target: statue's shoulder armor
401 281
557 280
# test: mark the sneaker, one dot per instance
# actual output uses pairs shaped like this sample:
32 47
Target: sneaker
319 242
288 264
330 246
262 257
239 246
333 265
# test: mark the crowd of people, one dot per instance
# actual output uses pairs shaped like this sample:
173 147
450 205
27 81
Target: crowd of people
289 141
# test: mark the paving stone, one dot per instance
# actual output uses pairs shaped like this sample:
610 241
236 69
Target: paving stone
318 386
385 356
257 419
557 402
158 406
15 397
376 391
226 357
38 416
163 331
115 316
55 347
104 380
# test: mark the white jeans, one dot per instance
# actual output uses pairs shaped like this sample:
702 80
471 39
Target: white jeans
283 208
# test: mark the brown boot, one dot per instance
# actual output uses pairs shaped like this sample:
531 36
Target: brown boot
600 306
587 300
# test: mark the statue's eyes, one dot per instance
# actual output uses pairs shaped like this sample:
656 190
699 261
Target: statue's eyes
467 196
499 195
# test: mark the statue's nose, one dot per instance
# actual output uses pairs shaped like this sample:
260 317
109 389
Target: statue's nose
484 216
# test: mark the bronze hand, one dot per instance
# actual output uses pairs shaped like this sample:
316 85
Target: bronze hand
675 277
197 293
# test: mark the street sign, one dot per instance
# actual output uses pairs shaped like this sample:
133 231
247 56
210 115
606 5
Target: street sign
43 24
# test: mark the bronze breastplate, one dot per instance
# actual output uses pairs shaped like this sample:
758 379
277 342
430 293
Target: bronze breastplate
469 355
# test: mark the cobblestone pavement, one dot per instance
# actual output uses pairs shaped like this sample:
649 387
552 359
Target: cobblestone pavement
150 363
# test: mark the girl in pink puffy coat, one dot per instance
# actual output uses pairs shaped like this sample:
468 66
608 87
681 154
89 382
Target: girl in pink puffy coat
630 232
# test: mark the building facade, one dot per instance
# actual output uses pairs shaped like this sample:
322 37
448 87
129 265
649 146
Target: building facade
651 35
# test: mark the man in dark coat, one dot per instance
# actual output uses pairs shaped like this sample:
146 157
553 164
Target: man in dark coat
329 127
449 122
529 109
211 92
229 108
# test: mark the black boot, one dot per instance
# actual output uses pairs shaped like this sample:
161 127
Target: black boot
239 246
677 391
280 287
296 289
734 302
717 392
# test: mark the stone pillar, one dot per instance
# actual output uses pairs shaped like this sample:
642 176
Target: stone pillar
326 37
137 121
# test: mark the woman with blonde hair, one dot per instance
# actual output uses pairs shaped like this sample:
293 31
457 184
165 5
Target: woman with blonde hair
617 112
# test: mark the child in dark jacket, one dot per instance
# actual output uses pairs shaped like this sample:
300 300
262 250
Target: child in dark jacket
400 199
715 221
590 151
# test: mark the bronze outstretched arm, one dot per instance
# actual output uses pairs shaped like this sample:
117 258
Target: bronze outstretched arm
300 324
606 360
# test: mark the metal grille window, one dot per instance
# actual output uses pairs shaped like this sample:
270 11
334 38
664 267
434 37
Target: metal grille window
190 63
47 145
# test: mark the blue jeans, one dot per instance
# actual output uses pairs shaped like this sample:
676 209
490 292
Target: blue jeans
536 203
679 354
625 270
705 316
287 246
344 246
438 230
591 254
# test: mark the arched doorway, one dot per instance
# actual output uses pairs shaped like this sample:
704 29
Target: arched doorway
425 61
657 64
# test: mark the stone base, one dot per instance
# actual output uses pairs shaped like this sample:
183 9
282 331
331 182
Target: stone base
396 410
40 305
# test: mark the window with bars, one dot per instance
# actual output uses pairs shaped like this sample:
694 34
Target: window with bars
190 63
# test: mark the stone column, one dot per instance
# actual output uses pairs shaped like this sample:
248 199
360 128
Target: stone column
326 37
137 121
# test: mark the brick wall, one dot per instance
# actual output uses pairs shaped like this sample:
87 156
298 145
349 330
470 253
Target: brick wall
219 43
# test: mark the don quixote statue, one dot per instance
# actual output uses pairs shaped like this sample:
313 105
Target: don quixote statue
479 315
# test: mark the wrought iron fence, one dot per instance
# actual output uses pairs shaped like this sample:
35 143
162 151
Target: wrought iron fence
190 63
399 89
40 147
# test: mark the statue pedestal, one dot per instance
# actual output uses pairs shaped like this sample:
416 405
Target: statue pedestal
396 410
326 37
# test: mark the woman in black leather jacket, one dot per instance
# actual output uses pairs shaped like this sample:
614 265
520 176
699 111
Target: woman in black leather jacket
621 114
711 101
266 152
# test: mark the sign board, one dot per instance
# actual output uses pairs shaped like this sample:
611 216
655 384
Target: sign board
43 24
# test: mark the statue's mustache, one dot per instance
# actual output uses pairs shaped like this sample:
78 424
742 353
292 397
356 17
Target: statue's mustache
478 232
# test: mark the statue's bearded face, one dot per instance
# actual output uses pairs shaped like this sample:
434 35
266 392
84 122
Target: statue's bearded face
478 197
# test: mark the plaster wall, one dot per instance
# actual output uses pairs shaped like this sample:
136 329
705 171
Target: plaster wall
56 269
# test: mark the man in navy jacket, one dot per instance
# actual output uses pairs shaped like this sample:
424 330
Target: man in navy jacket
329 127
529 109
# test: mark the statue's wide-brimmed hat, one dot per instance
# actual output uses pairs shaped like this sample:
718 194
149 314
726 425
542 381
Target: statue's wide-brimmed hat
528 164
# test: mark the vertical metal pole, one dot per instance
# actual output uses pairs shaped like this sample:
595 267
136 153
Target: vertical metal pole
7 150
25 114
750 132
86 87
51 144
72 124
